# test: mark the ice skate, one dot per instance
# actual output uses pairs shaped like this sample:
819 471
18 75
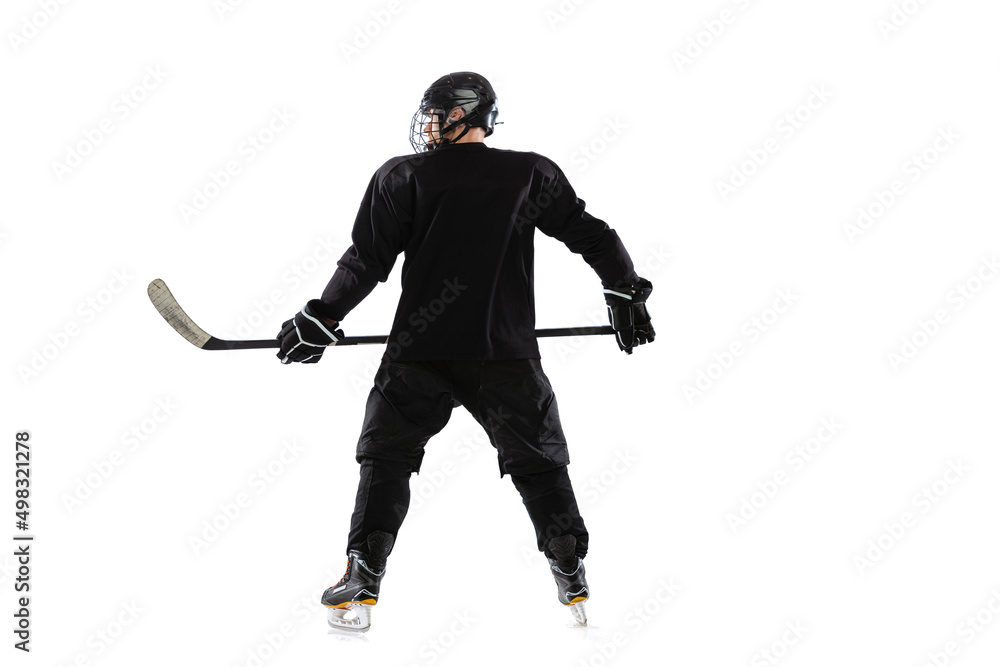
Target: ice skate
351 600
570 576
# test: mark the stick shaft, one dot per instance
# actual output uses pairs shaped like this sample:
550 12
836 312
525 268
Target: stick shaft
217 344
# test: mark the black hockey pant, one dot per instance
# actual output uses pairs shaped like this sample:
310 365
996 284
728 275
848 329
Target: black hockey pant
512 400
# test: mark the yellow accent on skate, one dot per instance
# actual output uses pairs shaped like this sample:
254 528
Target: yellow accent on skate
344 605
575 600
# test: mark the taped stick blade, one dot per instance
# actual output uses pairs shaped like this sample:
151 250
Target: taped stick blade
166 305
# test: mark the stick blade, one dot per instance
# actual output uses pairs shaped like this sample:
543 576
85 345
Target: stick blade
166 305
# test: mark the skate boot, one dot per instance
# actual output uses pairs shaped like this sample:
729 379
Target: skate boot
570 576
351 600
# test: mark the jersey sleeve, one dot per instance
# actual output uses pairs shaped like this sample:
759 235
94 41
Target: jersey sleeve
562 215
380 233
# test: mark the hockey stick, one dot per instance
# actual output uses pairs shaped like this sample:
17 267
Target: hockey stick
166 305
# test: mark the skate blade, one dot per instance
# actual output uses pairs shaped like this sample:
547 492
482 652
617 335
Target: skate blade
579 613
350 618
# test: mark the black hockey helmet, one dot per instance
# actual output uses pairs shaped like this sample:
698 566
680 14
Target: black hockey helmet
468 90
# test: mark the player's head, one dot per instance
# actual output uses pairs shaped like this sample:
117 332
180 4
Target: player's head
450 107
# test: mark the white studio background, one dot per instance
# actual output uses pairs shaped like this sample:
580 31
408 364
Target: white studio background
801 470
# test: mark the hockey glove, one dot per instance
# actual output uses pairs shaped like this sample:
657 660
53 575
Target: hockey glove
305 336
628 315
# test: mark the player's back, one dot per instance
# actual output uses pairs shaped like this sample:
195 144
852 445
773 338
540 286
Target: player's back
467 274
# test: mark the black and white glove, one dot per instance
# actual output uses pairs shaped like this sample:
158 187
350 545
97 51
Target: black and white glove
628 315
305 336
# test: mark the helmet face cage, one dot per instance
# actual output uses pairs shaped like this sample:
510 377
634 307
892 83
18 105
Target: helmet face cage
425 128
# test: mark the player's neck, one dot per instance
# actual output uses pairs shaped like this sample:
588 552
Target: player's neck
473 136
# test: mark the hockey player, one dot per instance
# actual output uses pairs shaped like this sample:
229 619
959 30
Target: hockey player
464 216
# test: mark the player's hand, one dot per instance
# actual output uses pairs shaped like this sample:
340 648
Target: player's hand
628 315
305 336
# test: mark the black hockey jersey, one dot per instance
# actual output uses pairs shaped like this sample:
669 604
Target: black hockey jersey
464 216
